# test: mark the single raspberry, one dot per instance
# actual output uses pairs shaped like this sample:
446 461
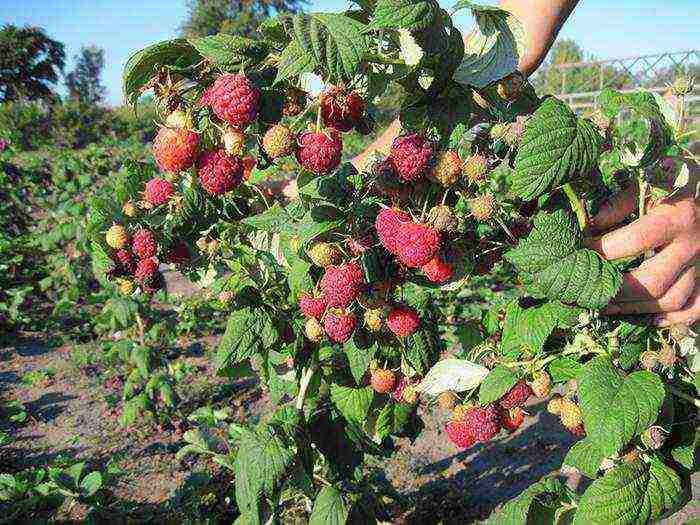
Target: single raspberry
313 330
144 244
649 359
514 131
373 319
448 168
178 254
341 284
323 254
482 207
339 325
570 414
124 259
219 172
234 142
667 356
145 269
409 395
447 400
484 422
126 286
387 223
249 164
175 149
159 191
294 102
443 219
512 419
541 384
459 432
416 243
403 321
179 119
554 405
437 271
234 99
516 396
226 296
475 168
383 380
279 141
410 155
116 237
341 110
359 245
312 306
320 153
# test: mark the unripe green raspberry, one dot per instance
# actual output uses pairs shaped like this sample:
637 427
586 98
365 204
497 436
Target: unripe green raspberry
314 330
475 168
116 237
447 400
373 319
323 254
554 405
541 384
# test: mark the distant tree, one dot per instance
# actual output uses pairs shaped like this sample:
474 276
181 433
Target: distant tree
84 81
236 17
30 62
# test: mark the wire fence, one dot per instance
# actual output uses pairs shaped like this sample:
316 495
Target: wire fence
580 83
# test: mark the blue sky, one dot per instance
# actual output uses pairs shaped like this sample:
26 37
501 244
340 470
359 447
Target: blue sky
605 28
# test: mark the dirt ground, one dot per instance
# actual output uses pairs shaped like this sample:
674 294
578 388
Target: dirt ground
70 414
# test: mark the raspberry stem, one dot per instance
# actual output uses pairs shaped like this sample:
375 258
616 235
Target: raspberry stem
306 376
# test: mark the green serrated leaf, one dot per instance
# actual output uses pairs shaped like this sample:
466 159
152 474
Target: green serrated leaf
498 382
143 65
404 14
360 353
557 147
517 510
529 328
564 368
330 508
585 456
353 403
247 331
392 419
230 52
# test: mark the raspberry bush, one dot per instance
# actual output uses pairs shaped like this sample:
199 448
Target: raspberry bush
345 299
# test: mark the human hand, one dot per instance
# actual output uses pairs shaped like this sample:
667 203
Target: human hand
668 283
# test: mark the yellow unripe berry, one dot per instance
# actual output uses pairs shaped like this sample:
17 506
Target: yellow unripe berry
116 237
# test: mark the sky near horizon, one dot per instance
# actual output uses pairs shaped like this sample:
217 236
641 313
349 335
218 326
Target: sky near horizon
604 28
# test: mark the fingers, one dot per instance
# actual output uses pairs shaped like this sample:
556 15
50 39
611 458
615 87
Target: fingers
659 226
655 276
688 315
673 300
616 209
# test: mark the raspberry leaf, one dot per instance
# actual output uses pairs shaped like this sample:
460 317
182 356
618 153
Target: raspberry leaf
551 265
360 352
419 350
230 52
498 382
392 419
517 510
492 49
248 331
616 409
585 456
564 368
530 327
457 375
330 508
143 65
353 403
557 147
403 14
293 63
616 497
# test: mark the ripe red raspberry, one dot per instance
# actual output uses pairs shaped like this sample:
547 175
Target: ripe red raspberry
175 149
339 325
383 380
219 172
410 155
320 153
516 396
234 99
437 271
460 433
144 244
124 258
341 284
178 254
312 306
146 269
386 224
341 110
159 191
403 321
484 422
416 243
512 419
